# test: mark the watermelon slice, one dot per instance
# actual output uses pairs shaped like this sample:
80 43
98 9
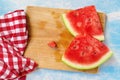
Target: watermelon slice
84 20
86 52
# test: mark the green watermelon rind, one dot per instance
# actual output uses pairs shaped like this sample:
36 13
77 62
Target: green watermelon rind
68 25
99 37
73 32
90 66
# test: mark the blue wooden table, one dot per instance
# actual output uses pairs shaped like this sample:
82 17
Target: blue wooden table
110 70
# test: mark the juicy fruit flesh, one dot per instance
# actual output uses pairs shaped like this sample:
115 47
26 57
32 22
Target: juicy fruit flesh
52 44
84 20
87 66
86 50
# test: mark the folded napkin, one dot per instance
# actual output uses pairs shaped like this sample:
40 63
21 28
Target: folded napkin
13 41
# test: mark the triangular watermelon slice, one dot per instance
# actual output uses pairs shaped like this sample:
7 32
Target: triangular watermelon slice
86 52
84 20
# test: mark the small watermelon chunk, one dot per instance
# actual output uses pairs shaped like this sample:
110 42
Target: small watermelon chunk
86 52
52 44
84 20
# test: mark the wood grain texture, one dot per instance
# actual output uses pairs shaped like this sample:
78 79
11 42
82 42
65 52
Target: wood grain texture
45 25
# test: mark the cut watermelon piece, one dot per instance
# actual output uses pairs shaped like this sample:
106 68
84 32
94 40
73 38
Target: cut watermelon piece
84 20
52 44
86 52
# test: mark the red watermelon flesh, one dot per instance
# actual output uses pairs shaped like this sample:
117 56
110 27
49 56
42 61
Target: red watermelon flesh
86 52
84 20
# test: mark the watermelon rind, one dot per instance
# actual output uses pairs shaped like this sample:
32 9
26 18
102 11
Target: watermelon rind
99 37
68 25
73 32
89 66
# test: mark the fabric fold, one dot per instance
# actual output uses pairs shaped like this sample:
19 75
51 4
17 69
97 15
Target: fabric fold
13 42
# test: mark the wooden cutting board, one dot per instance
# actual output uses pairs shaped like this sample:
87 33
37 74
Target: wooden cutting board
45 25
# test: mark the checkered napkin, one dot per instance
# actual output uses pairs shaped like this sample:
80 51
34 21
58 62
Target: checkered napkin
13 41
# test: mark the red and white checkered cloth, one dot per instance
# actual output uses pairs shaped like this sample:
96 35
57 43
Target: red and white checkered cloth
13 41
